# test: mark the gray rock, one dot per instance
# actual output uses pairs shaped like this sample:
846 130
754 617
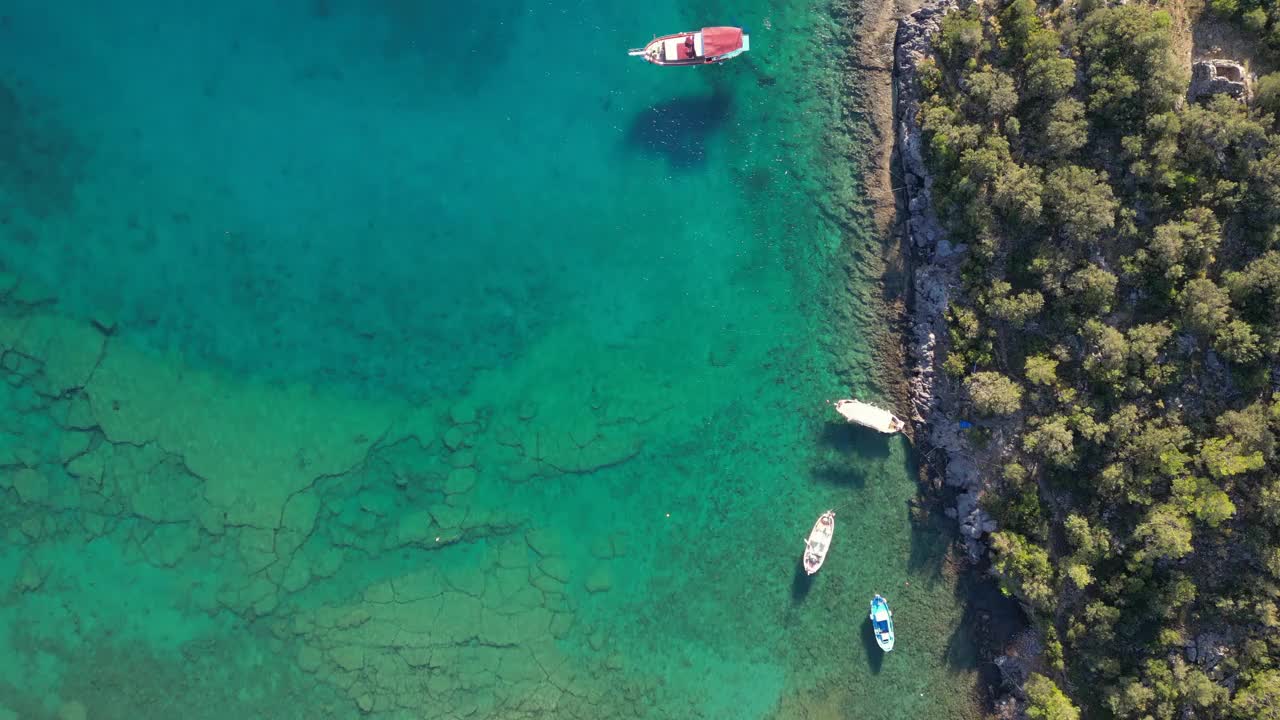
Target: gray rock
935 262
962 472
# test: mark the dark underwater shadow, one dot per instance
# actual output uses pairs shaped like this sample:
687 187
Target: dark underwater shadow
850 454
875 656
678 129
991 622
932 532
840 473
865 442
460 61
801 583
931 538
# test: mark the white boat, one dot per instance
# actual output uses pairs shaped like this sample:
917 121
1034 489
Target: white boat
707 46
882 623
819 541
867 415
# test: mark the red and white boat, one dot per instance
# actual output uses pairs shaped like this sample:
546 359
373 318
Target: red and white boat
819 541
699 47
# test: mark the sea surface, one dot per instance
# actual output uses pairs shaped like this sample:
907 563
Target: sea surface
424 359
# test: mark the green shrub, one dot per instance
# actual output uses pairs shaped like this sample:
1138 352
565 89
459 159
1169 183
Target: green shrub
1045 701
1267 93
993 394
1254 20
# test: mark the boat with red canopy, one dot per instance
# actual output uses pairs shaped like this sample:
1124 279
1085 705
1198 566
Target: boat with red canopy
700 47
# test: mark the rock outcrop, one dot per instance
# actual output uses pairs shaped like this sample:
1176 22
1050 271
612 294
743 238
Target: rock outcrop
935 275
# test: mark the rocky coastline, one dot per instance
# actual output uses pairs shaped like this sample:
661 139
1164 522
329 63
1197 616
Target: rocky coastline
934 266
937 406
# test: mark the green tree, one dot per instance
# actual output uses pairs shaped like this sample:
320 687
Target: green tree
1186 245
1093 288
1203 693
1205 307
1131 700
1130 67
1155 448
1146 343
1225 8
1053 441
1256 291
1024 568
1020 21
1089 543
1017 192
1267 93
1259 699
1225 457
1250 429
1165 534
1050 76
1220 140
960 39
1203 500
1066 130
1106 352
948 134
1268 503
1254 20
993 393
1081 201
1041 370
1045 701
992 94
1156 156
1237 342
1014 310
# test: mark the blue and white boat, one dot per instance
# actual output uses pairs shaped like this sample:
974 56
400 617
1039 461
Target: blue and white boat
882 623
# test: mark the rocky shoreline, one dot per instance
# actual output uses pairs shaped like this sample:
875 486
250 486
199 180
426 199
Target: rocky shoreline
934 266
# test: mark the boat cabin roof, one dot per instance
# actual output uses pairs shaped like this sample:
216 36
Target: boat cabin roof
720 40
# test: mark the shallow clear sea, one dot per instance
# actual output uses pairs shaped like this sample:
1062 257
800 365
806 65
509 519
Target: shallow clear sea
417 359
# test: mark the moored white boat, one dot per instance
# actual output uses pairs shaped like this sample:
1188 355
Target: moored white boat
882 622
695 47
867 415
819 541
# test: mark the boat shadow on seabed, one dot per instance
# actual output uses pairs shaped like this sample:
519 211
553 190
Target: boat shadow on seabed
801 584
678 129
875 656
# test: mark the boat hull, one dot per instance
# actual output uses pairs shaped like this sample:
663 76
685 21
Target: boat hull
819 542
867 415
882 623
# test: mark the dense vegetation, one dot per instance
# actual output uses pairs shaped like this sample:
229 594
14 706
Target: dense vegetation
1119 329
1260 18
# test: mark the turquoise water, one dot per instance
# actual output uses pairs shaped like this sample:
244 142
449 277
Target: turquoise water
407 360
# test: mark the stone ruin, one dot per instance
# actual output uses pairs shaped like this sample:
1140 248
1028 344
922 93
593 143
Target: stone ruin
1214 77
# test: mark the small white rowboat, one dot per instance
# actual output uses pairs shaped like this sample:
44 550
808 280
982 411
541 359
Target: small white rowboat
819 541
